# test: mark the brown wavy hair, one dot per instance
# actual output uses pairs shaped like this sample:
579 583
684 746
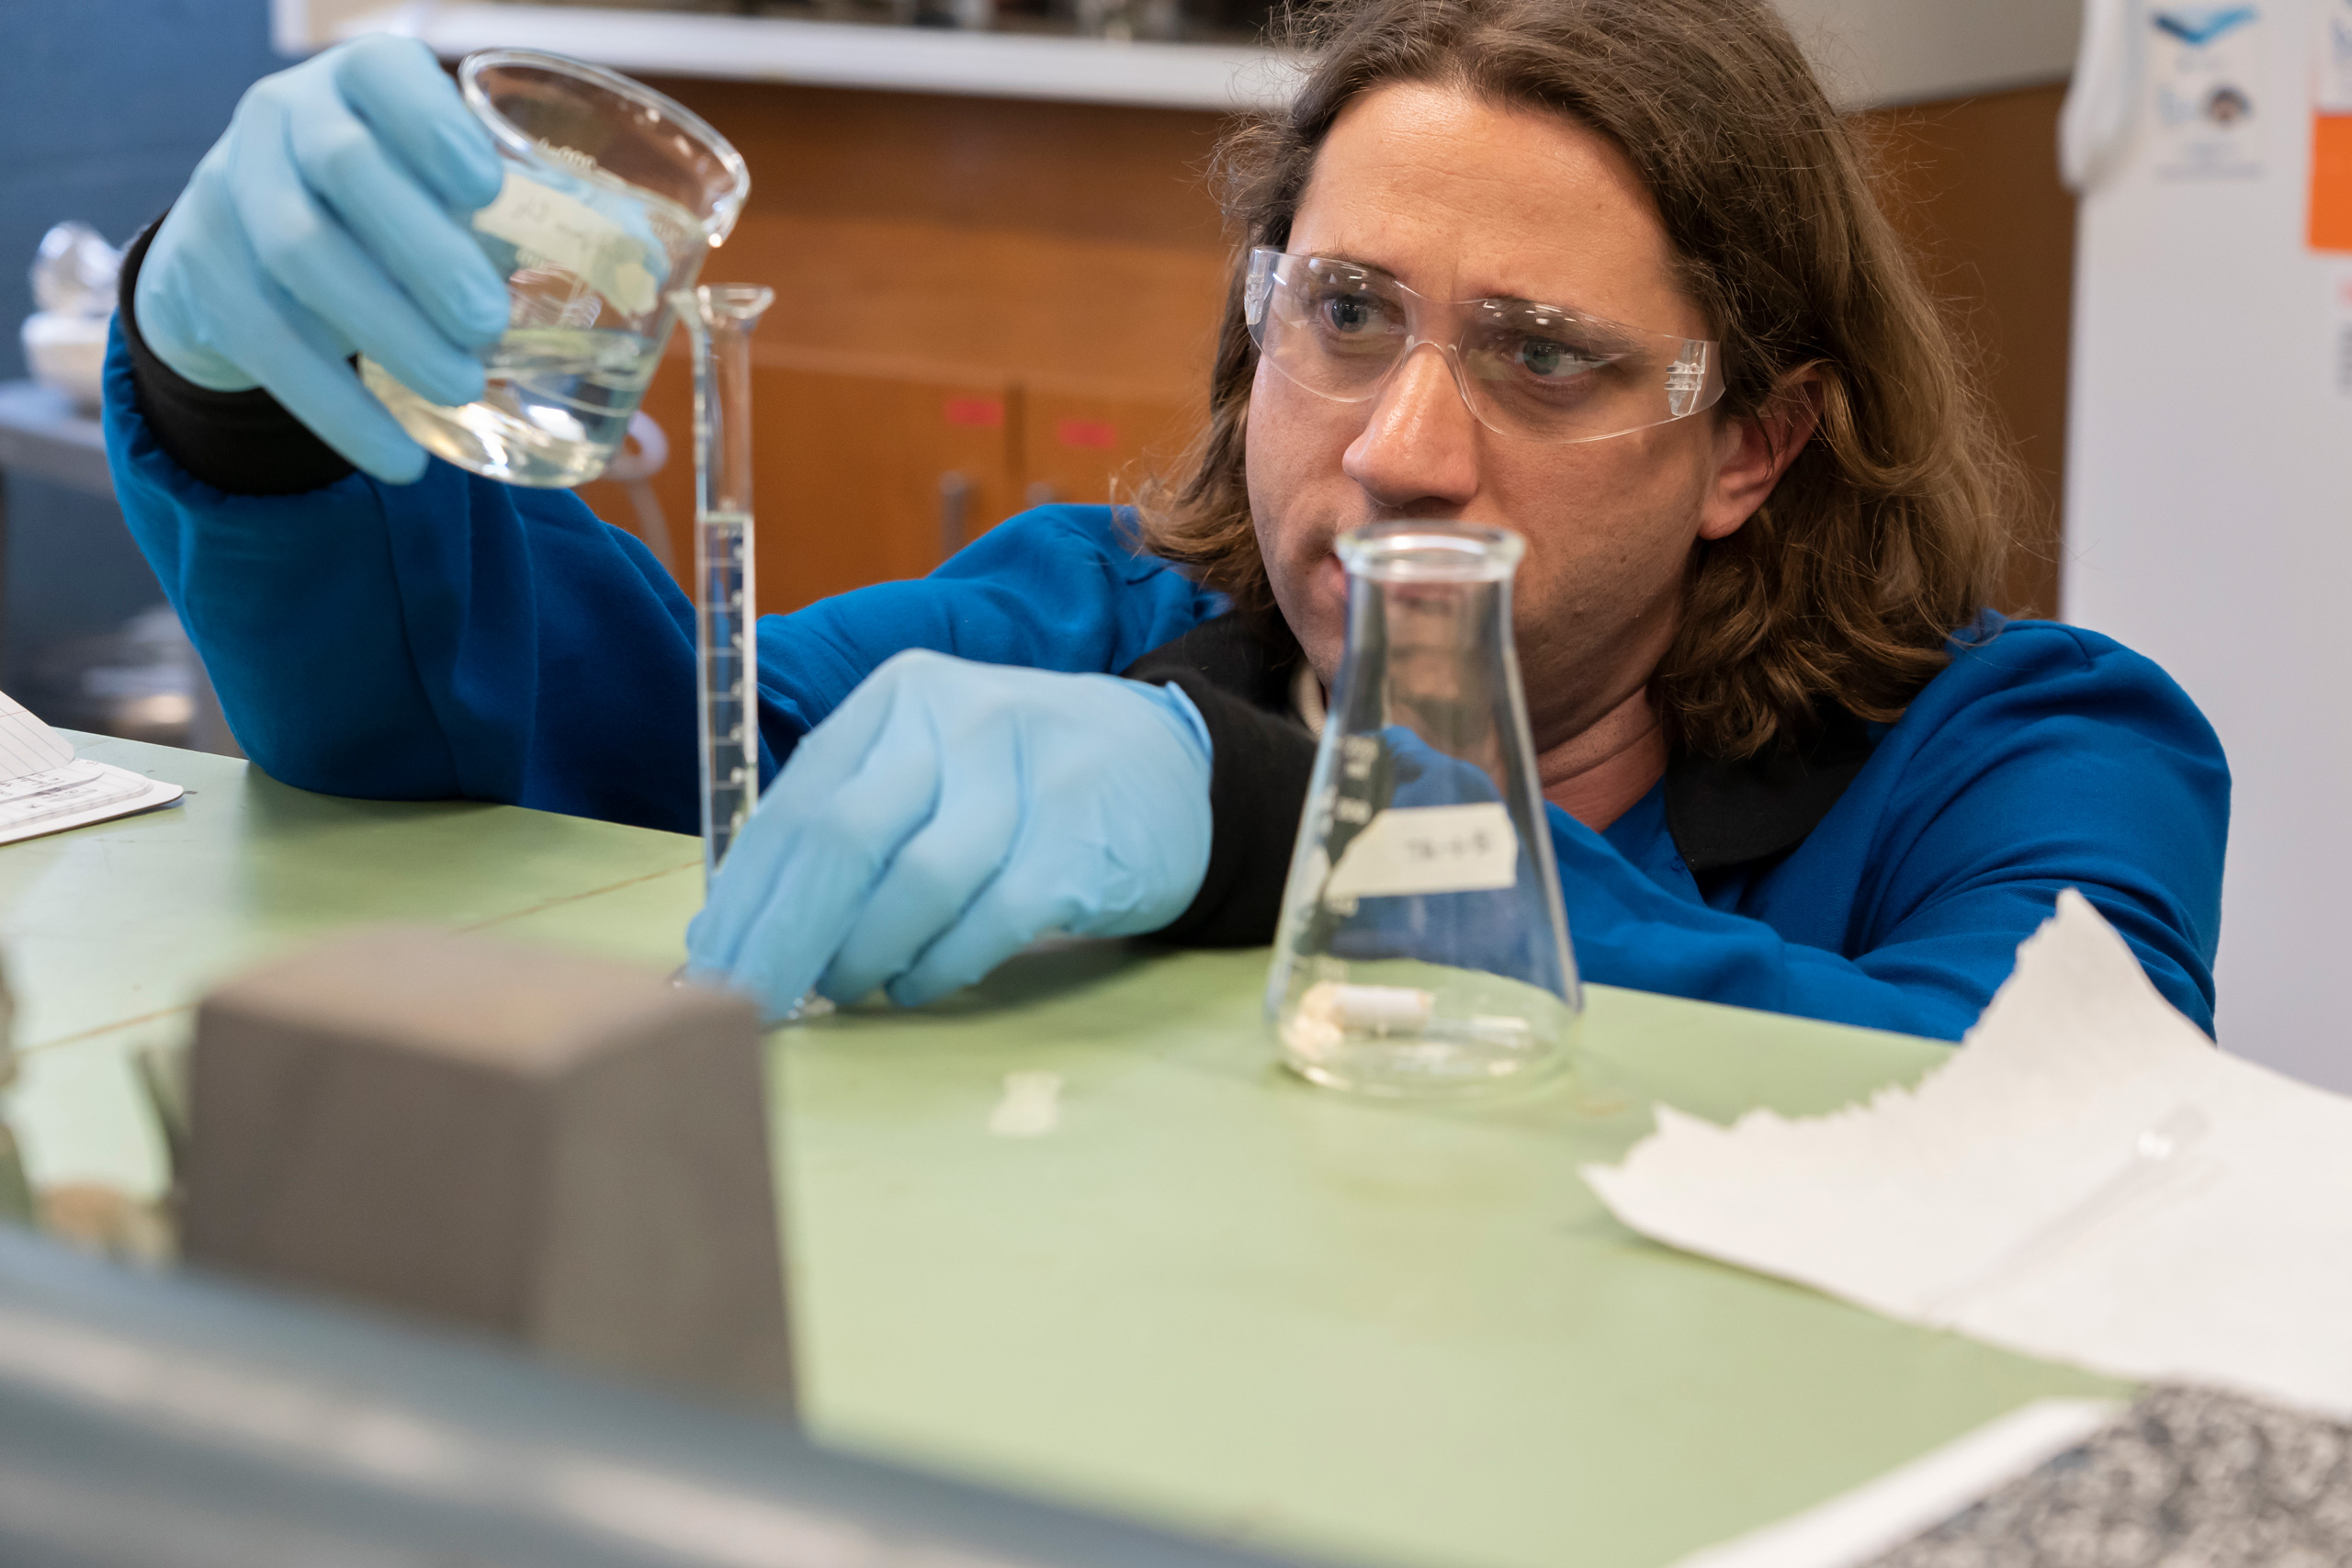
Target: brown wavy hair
1887 532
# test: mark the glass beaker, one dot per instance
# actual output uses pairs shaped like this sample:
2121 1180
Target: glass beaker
613 196
1423 949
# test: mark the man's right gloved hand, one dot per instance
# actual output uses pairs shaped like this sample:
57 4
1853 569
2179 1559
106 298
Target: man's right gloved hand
330 220
949 812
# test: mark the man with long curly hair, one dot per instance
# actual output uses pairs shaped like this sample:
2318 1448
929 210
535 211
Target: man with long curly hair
1605 272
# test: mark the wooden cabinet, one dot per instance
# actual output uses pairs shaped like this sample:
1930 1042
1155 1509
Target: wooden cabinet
866 472
1093 444
868 475
979 304
1973 188
870 471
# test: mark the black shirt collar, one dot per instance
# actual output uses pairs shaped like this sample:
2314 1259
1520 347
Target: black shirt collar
1729 814
1722 814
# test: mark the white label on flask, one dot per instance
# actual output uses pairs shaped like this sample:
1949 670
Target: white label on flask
1427 849
571 234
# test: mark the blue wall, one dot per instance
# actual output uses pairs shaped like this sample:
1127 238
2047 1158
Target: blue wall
104 105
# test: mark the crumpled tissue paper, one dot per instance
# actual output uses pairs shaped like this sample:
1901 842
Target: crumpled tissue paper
2087 1179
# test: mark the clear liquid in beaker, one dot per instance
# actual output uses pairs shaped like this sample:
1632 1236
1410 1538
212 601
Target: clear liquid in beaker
611 194
556 408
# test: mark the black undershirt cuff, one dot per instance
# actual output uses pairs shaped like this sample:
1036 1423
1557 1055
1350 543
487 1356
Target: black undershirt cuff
1262 760
243 443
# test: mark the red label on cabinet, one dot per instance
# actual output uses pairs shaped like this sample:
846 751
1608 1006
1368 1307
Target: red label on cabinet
1086 433
974 410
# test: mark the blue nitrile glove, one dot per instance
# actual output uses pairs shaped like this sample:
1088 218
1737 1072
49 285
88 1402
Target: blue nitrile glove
330 219
949 813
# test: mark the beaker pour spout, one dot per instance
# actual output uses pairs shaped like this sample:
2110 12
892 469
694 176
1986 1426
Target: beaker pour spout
721 305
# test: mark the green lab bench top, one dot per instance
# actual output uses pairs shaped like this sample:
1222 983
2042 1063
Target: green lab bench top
1211 1295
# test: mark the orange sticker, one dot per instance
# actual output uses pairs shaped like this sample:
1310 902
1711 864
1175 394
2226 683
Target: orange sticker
2331 218
1086 433
974 410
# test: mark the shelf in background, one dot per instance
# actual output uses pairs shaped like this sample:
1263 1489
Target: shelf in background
831 54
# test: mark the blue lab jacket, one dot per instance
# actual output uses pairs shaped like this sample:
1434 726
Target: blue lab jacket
460 638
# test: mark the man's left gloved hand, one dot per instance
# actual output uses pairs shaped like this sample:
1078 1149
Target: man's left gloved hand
948 814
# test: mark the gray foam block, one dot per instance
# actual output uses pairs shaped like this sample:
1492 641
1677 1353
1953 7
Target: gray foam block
570 1152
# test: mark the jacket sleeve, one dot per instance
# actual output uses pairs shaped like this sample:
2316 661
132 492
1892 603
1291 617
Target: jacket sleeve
456 638
1931 974
2045 760
2056 759
1056 588
426 641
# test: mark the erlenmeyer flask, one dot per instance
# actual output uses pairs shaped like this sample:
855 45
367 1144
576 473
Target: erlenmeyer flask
1423 948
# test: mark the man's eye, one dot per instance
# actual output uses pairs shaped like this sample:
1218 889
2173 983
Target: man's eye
1351 313
1550 360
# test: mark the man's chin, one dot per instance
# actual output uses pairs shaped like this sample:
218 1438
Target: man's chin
1315 608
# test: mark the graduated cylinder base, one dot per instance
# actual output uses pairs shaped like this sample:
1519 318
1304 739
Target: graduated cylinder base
1405 1029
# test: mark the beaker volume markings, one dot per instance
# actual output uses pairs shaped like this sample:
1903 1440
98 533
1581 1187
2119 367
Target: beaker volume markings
718 320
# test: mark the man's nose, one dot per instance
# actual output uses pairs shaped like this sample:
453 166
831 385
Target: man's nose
1419 448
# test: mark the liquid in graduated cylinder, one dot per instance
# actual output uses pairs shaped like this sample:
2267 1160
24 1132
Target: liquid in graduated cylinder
729 677
1423 946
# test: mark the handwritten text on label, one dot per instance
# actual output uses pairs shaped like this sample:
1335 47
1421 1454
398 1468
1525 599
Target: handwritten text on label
576 237
1427 849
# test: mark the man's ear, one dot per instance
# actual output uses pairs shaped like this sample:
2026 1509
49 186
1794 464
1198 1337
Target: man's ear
1753 452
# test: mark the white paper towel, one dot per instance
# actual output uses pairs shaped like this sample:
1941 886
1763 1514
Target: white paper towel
2087 1179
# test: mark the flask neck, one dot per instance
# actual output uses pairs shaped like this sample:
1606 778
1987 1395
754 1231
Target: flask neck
1434 657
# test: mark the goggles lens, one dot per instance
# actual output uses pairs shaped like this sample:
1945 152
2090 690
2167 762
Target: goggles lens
1534 372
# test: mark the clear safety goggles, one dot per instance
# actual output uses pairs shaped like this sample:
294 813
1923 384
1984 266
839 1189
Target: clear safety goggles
1534 372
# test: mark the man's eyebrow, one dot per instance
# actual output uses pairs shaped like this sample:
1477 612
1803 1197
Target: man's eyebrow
1599 331
1346 260
1512 299
1612 334
1551 307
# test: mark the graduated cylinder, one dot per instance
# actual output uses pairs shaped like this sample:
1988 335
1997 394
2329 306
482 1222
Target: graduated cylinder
718 318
